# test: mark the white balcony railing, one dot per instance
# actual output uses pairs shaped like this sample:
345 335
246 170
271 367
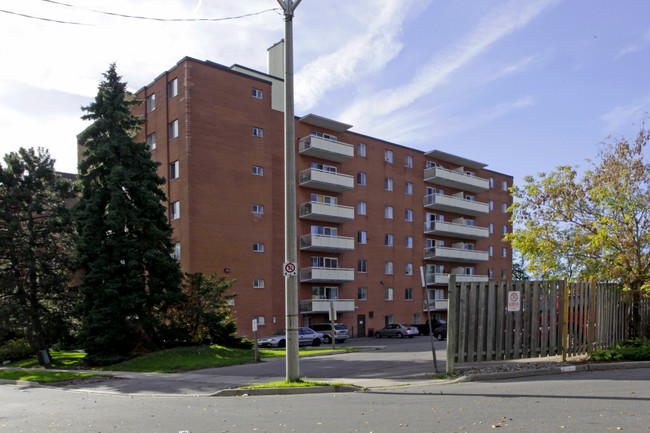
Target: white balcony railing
435 305
324 148
455 179
316 242
458 205
325 180
315 274
455 230
315 306
318 211
432 279
455 255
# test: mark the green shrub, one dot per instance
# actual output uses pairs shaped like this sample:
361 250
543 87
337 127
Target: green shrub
15 350
636 349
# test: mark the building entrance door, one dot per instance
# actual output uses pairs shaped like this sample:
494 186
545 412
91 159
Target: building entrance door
361 325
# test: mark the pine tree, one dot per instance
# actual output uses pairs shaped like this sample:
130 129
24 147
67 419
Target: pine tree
129 278
36 244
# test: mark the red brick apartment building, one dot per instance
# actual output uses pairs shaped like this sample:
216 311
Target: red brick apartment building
374 218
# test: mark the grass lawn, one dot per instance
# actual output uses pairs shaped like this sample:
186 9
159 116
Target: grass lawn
44 376
170 360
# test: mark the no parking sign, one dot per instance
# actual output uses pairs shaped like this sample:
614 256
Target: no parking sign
514 301
289 269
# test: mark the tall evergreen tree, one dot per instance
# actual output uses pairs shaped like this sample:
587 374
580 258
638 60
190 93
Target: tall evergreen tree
36 244
129 278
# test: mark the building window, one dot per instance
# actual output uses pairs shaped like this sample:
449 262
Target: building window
417 319
173 129
408 242
361 207
491 228
256 93
408 215
151 141
490 250
362 294
174 170
177 251
388 319
490 273
491 182
258 247
388 268
323 135
388 294
504 229
172 88
388 184
408 294
504 207
388 156
504 252
151 103
504 274
258 208
362 237
408 161
260 320
175 210
258 171
491 204
408 188
388 240
321 292
362 266
258 132
361 178
408 269
504 185
258 283
361 149
388 212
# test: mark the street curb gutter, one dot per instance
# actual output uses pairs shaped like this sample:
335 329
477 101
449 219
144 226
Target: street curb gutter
286 391
554 370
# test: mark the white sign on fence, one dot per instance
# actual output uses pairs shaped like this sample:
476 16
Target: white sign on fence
514 301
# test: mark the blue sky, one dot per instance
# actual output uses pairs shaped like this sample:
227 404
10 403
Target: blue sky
523 86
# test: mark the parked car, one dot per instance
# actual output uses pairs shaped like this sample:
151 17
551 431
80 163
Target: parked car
423 328
341 332
398 330
441 332
306 337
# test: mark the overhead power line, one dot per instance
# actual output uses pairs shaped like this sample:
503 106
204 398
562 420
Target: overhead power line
115 14
43 19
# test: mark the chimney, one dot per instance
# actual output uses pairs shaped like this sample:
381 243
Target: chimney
276 60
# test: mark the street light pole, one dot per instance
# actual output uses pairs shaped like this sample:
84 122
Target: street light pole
290 243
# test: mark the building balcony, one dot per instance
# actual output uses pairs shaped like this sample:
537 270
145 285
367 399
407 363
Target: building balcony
322 306
318 211
335 244
435 305
325 180
461 255
459 205
324 148
457 179
314 274
443 279
455 230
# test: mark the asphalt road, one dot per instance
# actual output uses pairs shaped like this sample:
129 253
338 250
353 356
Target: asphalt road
589 402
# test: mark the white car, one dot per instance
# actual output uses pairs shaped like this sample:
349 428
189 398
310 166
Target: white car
306 337
398 330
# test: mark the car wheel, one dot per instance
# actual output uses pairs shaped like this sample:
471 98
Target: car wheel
377 335
438 336
399 335
282 343
327 339
316 342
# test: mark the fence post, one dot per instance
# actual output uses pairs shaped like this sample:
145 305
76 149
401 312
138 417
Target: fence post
565 317
452 323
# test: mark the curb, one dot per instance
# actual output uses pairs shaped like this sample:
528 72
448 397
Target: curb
553 370
287 391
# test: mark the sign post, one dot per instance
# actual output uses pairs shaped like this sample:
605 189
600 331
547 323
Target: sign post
255 348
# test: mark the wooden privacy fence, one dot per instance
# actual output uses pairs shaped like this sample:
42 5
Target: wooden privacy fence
526 319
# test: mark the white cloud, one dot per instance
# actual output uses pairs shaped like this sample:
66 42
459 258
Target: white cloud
500 22
640 45
623 116
367 51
